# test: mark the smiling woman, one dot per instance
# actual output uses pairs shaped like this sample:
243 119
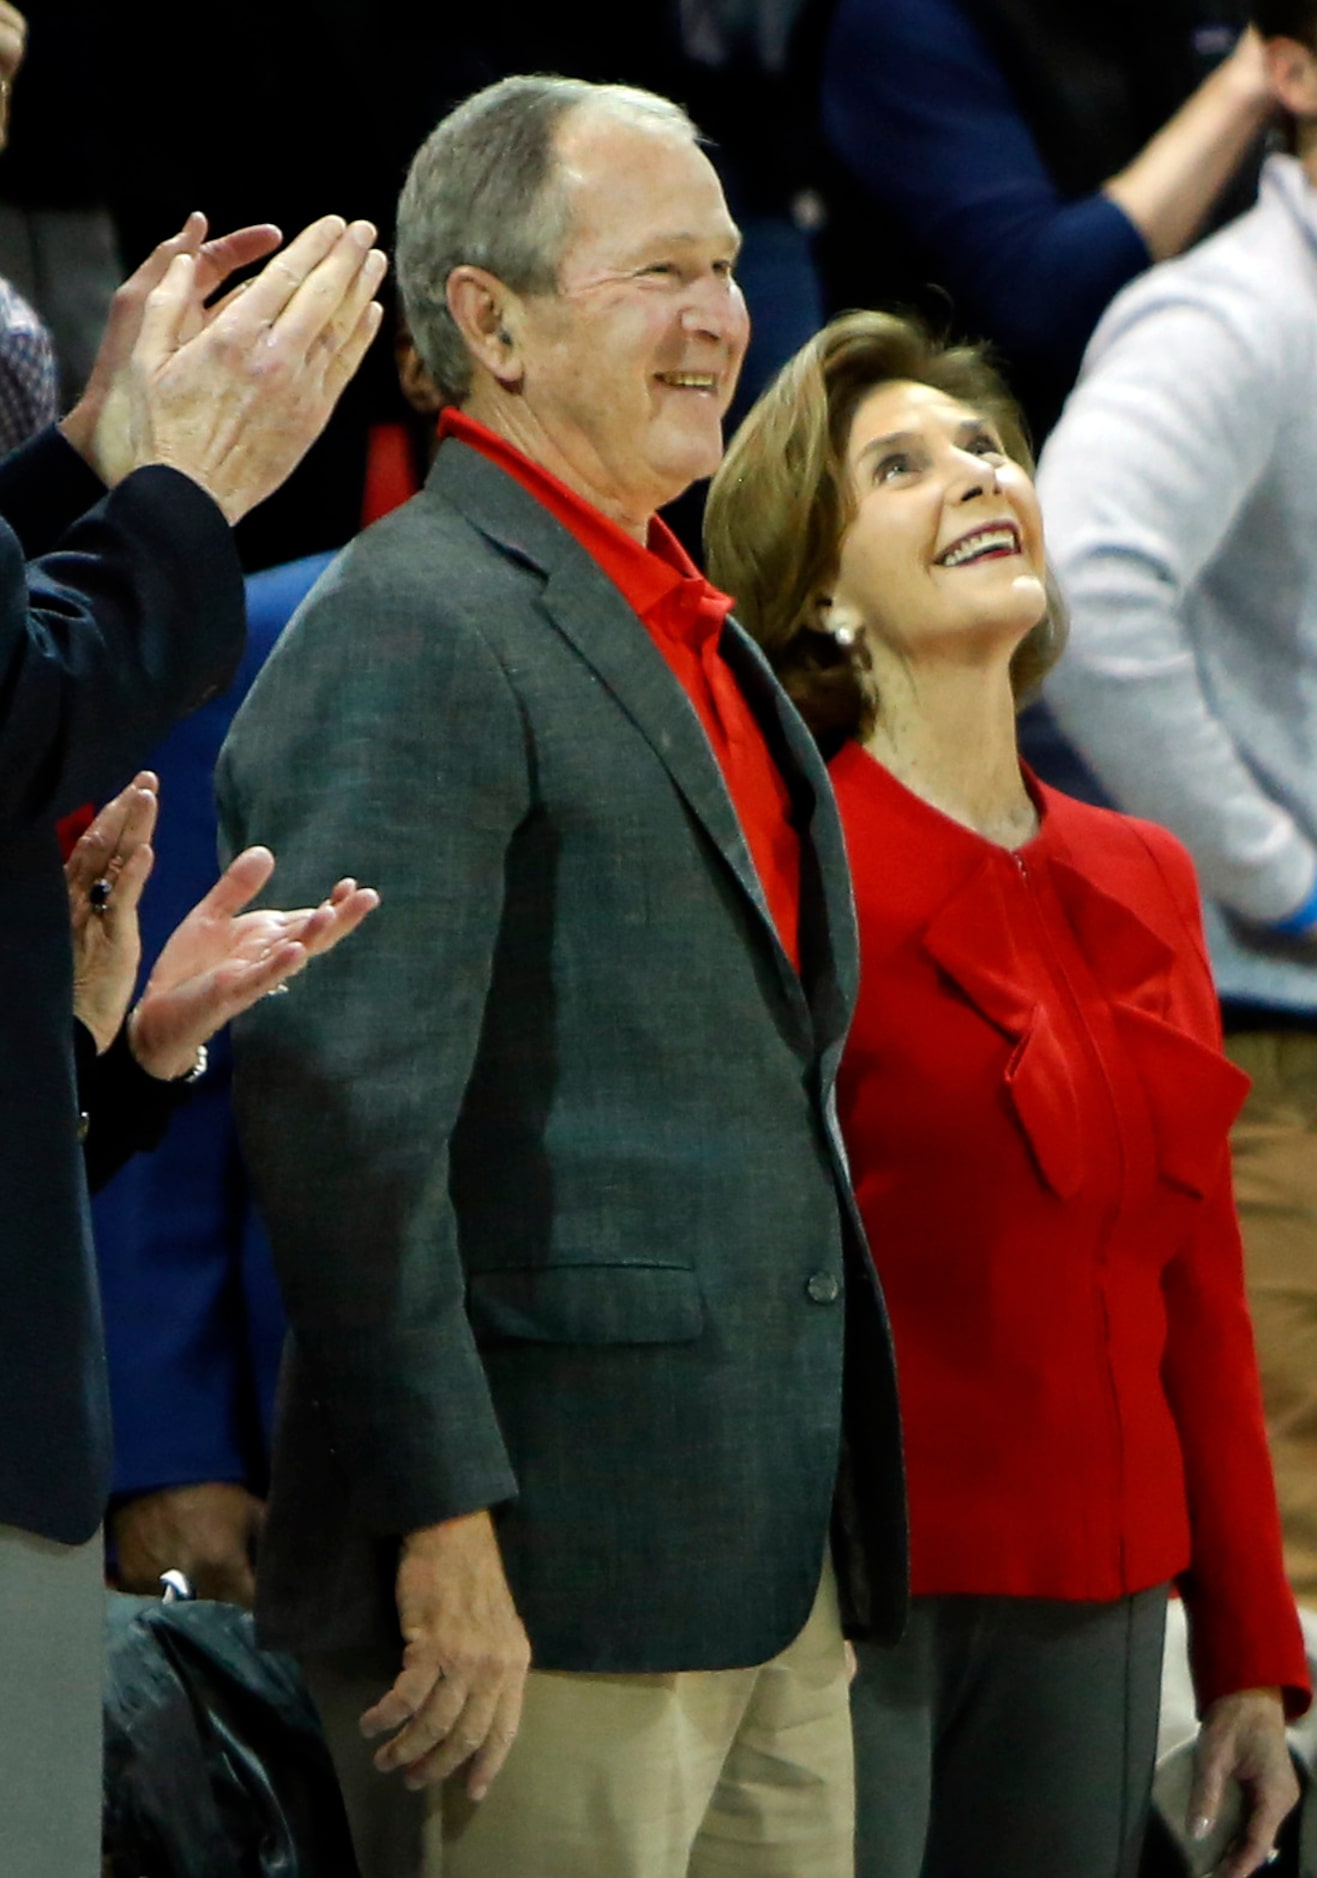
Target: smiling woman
780 551
1036 1111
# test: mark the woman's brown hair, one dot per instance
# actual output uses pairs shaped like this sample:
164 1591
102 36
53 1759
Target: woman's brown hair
781 503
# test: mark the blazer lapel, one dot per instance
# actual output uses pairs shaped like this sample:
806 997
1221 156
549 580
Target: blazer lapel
829 952
588 610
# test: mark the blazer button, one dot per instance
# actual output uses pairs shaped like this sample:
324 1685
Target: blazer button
823 1288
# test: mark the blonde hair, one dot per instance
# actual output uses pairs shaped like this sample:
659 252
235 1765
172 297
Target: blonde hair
782 501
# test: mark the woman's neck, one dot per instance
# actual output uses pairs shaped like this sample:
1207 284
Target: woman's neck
947 732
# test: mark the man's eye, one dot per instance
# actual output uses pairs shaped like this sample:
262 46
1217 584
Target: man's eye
660 267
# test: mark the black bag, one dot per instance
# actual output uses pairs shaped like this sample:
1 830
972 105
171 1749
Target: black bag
215 1765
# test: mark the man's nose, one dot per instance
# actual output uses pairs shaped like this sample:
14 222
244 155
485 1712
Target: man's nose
714 306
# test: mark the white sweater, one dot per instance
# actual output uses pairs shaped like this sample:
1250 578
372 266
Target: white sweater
1180 497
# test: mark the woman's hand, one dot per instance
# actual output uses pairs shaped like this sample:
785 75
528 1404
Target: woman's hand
1244 1735
221 960
106 873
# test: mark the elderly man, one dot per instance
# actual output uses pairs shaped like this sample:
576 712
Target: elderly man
131 618
550 1167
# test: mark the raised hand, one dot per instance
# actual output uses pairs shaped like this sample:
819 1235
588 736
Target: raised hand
220 960
106 873
237 403
98 426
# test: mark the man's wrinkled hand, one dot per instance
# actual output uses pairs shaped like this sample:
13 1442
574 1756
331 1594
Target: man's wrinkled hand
100 425
209 1532
457 1701
237 404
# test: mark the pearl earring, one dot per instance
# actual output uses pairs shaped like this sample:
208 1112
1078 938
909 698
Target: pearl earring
844 636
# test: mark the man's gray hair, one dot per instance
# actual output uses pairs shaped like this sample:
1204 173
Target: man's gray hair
483 191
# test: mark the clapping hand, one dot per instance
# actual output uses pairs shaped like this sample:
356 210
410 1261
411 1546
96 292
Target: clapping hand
215 964
106 873
220 960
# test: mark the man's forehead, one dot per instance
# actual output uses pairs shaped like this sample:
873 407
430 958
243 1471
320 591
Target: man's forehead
637 186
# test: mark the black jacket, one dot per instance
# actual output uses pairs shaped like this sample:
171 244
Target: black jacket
132 620
125 1111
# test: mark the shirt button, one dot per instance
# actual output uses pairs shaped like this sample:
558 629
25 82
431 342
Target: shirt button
823 1288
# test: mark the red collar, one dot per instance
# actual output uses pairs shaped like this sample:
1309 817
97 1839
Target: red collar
657 579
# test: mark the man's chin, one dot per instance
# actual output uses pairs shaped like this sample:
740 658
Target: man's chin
693 460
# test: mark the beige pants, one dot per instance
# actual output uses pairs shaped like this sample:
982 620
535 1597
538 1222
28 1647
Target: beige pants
743 1772
1274 1148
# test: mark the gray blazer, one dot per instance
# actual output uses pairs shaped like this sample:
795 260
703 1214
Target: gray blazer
548 1152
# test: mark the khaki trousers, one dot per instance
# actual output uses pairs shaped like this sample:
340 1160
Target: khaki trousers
1274 1149
741 1773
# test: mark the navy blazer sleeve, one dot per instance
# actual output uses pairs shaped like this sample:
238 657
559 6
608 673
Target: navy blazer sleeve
44 487
917 108
95 660
130 619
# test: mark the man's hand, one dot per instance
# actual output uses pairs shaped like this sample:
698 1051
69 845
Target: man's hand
237 404
219 960
457 1701
208 1531
98 426
105 874
1243 1736
13 44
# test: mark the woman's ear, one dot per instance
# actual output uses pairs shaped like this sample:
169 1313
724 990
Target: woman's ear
838 622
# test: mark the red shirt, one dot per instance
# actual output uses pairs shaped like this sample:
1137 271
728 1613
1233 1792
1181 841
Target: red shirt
684 617
1037 1111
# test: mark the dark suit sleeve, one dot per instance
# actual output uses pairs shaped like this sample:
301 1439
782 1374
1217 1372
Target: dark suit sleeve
131 622
383 739
44 488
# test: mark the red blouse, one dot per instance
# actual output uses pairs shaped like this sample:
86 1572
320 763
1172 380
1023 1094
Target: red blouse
1037 1113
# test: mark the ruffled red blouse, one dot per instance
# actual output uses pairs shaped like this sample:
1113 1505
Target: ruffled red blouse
1037 1111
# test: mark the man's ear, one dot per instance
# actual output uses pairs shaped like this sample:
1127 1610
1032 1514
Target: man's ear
486 314
1292 69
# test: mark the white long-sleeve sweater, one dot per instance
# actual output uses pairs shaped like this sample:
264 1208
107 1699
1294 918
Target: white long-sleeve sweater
1180 499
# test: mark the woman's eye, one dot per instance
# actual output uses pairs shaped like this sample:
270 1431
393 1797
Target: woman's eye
659 267
889 467
987 445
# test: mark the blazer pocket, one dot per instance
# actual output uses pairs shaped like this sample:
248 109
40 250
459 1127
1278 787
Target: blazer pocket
587 1304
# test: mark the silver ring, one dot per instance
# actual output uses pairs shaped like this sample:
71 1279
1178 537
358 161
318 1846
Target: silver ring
276 991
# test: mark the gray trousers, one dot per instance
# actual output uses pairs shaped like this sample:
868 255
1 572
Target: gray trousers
52 1648
1008 1738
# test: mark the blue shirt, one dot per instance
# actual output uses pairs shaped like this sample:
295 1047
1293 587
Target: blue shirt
193 1320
